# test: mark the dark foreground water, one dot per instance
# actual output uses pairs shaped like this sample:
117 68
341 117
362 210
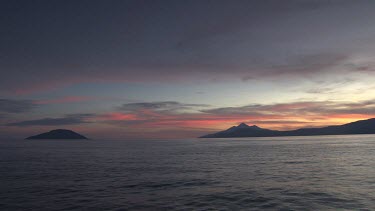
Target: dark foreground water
299 173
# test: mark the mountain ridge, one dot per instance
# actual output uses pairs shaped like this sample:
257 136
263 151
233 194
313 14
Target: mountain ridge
243 130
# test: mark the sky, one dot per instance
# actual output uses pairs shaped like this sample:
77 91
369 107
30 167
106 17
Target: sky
142 69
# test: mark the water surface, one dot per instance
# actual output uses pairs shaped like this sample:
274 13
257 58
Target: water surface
289 173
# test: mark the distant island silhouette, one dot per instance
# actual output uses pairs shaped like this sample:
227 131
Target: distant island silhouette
244 130
58 134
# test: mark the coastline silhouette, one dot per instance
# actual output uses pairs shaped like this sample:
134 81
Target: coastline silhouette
58 134
244 130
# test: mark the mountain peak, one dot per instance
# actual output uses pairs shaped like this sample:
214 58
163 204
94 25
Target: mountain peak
242 125
58 134
254 126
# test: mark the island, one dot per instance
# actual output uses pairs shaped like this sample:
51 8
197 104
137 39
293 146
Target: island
244 130
58 134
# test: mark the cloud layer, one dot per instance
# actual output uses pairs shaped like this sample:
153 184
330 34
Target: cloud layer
223 41
16 106
73 119
180 118
228 63
278 115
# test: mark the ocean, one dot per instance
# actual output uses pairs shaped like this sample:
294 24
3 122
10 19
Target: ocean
279 173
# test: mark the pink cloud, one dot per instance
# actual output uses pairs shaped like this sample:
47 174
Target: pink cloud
116 116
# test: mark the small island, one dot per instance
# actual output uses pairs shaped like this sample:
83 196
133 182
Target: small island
58 134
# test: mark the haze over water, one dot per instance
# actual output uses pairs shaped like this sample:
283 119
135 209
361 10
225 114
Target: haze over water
289 173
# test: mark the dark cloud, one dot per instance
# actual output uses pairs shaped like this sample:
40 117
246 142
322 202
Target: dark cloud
160 106
16 106
320 90
303 65
223 39
72 119
364 67
310 109
307 64
329 86
80 116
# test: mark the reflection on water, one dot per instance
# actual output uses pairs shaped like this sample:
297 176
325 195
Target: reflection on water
289 173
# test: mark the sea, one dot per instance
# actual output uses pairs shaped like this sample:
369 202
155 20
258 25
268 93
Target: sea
279 173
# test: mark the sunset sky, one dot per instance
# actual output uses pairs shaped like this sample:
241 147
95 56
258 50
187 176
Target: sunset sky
180 69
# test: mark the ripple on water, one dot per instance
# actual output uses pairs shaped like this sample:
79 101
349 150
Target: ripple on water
318 174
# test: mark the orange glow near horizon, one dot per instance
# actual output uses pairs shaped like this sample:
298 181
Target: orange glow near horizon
150 119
